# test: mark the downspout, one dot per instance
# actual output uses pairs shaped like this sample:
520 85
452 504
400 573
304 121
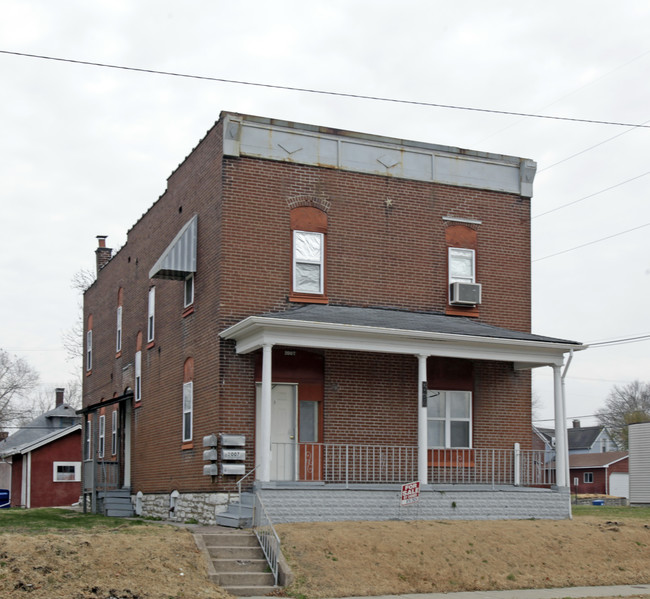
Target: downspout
564 428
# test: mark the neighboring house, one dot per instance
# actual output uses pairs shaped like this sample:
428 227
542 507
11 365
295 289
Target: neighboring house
600 473
45 459
639 448
581 439
331 314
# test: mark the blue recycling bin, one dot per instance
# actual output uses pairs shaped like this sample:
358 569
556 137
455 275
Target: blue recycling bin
4 498
597 502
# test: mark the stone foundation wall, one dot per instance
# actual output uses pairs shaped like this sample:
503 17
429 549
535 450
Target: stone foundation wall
182 507
292 505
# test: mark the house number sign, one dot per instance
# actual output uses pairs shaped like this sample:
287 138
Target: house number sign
233 454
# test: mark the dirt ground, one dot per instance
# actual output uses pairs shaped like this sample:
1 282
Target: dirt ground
334 559
144 563
372 558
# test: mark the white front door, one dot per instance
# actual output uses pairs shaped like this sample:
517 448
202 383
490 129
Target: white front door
283 430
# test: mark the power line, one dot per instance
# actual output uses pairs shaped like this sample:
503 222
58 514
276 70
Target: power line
620 341
577 247
591 195
325 92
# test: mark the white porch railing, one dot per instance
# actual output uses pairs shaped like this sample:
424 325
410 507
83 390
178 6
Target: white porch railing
267 536
375 464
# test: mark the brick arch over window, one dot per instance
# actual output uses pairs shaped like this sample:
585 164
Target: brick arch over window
319 202
308 255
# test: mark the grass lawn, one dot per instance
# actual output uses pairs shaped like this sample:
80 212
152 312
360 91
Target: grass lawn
56 519
611 512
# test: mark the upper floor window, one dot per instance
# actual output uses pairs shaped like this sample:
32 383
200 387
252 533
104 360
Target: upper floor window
308 266
151 315
188 293
449 416
461 266
309 252
118 328
89 344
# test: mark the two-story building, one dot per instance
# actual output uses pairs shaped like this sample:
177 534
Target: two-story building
331 315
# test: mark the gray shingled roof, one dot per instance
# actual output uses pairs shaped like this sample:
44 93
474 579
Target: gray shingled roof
432 322
49 424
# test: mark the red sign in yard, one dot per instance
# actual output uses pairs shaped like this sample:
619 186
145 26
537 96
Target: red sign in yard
410 493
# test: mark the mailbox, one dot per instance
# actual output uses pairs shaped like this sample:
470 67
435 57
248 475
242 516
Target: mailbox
211 455
233 454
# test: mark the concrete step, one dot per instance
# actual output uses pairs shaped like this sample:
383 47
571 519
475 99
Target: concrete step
246 591
235 538
235 552
113 513
248 579
240 565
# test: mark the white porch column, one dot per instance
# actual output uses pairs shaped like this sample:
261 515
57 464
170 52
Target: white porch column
265 416
561 452
422 421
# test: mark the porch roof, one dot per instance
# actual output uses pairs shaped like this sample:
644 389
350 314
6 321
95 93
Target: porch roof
397 331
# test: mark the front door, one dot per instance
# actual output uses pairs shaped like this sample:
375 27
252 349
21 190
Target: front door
295 428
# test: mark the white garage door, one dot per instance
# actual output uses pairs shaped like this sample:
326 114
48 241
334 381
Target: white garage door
619 484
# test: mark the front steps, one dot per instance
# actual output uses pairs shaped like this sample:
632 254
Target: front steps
236 561
239 513
116 503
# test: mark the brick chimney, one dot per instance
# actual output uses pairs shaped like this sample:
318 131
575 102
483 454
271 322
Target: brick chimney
102 253
58 392
576 423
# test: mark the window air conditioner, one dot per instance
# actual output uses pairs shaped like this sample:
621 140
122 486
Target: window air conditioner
464 294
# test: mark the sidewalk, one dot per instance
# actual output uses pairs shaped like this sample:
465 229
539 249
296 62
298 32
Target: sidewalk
566 593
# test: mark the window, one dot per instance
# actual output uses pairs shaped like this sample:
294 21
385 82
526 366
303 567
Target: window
151 317
114 432
588 477
449 415
102 435
309 249
307 262
138 376
188 296
461 265
89 438
67 472
188 400
89 350
118 334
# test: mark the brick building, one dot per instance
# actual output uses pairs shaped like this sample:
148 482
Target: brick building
351 311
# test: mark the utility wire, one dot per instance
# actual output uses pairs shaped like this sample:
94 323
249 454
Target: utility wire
591 195
577 247
620 341
327 93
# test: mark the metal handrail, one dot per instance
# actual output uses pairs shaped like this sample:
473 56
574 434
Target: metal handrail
267 536
239 485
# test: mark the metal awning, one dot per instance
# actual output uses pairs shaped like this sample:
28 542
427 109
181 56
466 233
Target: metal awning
179 259
396 331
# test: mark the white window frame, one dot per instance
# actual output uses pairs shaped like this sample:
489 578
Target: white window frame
76 475
448 419
320 262
457 253
188 289
114 432
102 436
151 315
188 408
118 333
587 475
89 350
137 392
88 455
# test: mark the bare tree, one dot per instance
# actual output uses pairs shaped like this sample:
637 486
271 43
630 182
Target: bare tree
73 337
17 380
625 404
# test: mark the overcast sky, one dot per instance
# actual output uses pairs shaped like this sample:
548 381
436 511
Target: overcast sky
86 150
